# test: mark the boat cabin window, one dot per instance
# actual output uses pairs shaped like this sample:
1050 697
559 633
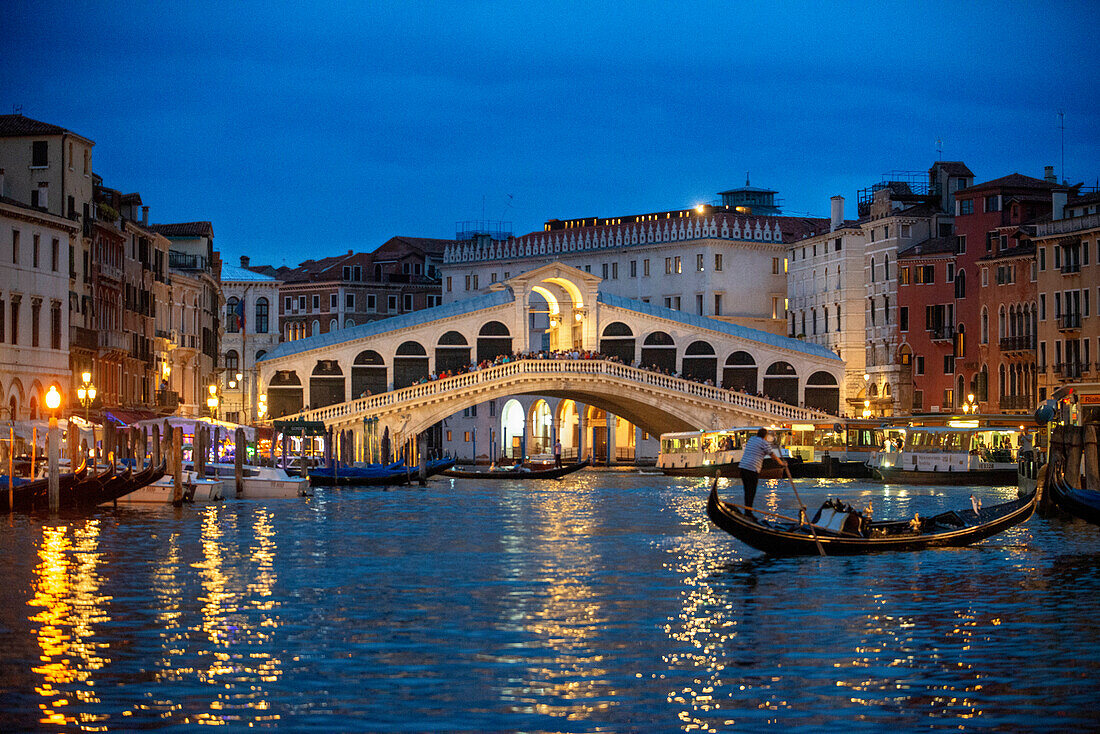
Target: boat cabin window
680 444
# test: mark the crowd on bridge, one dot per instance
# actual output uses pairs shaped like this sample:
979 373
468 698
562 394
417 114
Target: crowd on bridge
570 354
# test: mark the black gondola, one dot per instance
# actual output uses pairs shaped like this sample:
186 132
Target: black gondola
26 495
110 491
520 473
789 537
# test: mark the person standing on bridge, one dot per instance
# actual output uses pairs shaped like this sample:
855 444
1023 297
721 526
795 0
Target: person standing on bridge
756 450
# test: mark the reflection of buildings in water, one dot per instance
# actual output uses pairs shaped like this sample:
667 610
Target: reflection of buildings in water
67 586
705 628
235 587
565 616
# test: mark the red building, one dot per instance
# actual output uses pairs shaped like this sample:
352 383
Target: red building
988 221
967 302
926 322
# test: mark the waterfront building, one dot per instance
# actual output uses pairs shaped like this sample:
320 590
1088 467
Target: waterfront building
194 314
322 296
48 167
34 318
826 297
1068 288
995 291
250 333
902 210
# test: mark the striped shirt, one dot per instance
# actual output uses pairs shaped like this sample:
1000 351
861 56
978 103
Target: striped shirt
756 450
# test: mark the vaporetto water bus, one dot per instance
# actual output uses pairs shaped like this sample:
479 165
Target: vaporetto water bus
714 453
961 452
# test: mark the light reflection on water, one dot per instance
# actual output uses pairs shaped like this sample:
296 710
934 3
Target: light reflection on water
605 601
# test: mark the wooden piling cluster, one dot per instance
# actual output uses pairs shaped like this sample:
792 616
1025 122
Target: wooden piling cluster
1077 448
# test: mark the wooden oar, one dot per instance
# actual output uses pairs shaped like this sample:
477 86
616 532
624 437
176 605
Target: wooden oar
790 479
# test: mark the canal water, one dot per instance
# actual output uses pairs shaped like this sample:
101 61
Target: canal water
603 602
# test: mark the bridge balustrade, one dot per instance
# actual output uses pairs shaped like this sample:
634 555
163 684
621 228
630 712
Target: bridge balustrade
544 366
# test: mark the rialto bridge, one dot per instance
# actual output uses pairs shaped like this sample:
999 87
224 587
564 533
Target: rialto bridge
378 372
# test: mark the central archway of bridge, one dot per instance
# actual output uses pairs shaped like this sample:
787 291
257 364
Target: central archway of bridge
698 372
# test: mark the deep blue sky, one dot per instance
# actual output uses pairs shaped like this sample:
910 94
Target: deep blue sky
308 131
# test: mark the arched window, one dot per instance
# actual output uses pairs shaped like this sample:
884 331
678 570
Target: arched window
333 325
872 270
813 319
886 268
261 354
232 325
825 318
232 361
985 325
316 328
1001 333
960 284
262 311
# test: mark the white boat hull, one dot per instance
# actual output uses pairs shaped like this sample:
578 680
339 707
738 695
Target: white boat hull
161 492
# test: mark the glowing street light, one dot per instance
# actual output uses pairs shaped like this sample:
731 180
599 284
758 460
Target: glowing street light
212 401
86 392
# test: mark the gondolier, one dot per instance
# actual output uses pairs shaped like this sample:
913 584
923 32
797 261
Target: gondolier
757 449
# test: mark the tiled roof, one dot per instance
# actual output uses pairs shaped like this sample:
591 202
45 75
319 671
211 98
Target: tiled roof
184 229
1026 247
233 273
12 126
1011 181
427 244
930 246
725 327
382 326
954 168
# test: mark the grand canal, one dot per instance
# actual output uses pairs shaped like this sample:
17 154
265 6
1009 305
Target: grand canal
606 601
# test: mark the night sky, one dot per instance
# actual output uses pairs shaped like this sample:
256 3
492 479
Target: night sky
310 131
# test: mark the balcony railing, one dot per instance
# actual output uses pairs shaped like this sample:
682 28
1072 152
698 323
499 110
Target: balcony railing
1069 268
1070 224
81 338
1015 402
168 400
942 333
1071 370
1069 322
114 340
1024 343
183 261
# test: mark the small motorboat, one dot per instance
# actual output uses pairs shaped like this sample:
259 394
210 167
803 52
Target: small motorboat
518 472
837 529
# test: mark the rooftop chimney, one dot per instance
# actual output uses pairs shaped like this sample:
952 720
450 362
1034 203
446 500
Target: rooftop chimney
1058 199
837 213
244 261
1048 174
144 215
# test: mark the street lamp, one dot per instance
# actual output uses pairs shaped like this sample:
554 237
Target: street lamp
261 408
53 402
866 408
212 401
86 392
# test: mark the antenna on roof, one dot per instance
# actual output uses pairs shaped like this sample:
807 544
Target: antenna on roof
939 149
1062 125
746 178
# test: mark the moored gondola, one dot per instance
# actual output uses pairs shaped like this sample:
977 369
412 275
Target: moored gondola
111 491
1081 503
520 473
842 531
28 494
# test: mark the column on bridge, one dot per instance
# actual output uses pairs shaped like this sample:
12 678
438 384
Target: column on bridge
637 443
582 432
612 429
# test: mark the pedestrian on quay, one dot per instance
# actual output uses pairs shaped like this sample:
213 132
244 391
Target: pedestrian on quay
557 453
756 450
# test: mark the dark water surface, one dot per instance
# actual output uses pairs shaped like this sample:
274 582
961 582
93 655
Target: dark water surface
606 601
